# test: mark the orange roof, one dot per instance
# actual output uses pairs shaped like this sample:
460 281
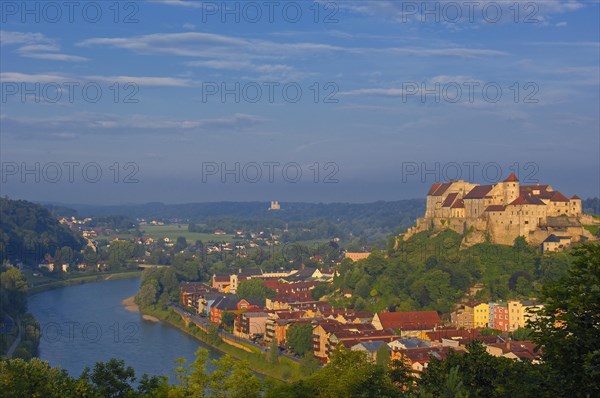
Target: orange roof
575 197
512 178
412 320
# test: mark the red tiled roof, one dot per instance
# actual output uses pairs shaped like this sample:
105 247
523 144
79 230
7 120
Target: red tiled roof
526 200
449 200
441 189
512 178
575 197
452 333
495 208
433 188
416 320
558 197
479 192
423 355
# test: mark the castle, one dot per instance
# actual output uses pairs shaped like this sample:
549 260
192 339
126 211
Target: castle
501 212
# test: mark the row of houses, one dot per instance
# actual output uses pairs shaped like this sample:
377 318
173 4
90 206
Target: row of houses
504 316
228 283
411 336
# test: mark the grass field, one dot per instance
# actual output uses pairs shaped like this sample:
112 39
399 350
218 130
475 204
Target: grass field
173 231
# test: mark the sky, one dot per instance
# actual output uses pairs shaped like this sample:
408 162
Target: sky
177 101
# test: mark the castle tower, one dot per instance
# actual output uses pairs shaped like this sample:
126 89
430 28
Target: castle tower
511 188
575 206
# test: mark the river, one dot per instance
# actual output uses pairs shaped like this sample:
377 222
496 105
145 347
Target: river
87 323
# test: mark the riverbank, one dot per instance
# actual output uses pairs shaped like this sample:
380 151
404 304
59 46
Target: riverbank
284 370
77 280
131 306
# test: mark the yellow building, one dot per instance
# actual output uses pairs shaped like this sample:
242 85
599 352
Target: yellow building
481 315
516 316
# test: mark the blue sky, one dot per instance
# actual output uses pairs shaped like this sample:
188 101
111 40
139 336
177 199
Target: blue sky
389 90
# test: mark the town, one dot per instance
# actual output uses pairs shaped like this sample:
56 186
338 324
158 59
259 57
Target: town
412 336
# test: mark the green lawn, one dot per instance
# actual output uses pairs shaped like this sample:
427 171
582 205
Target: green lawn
173 231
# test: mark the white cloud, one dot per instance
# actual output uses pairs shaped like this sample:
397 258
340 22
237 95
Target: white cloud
233 49
86 123
148 81
36 45
561 24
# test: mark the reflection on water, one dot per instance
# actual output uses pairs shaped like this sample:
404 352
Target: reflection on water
87 323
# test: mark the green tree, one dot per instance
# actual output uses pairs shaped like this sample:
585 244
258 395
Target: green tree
13 294
384 356
112 379
569 324
254 289
363 287
146 297
228 319
35 378
352 374
299 338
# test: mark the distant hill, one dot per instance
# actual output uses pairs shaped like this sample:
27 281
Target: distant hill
370 220
28 231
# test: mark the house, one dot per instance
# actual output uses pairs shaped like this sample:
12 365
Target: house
453 334
191 292
250 324
481 315
231 304
408 343
278 325
356 256
370 348
555 243
221 283
205 303
418 358
463 317
499 316
350 337
325 328
409 321
516 350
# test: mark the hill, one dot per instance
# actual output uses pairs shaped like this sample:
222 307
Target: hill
368 220
430 271
29 231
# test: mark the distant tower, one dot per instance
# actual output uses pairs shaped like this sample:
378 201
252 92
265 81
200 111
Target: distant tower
511 188
575 205
275 205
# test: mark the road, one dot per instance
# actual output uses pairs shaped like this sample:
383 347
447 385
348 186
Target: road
206 323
